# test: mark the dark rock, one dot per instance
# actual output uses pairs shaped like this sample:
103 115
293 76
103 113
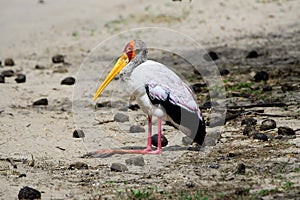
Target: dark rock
21 78
41 102
22 175
224 72
190 184
29 193
133 107
231 155
198 87
211 56
78 133
111 104
68 81
78 165
195 147
137 161
187 140
118 167
249 121
249 131
154 139
278 137
40 66
267 88
241 168
2 78
287 87
136 129
120 117
261 76
252 54
9 62
260 136
8 73
58 58
209 141
267 124
213 166
283 130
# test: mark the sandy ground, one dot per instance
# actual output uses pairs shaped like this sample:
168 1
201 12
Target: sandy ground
32 32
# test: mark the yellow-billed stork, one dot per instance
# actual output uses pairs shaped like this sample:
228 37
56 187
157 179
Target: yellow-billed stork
159 92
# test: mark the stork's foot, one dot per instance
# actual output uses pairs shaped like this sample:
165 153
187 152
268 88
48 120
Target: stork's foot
109 152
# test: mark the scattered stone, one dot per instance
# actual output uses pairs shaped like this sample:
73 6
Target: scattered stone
154 139
118 167
2 78
78 165
187 140
267 124
213 166
9 62
40 66
58 58
137 161
68 81
21 78
8 73
278 137
111 104
41 102
120 117
211 56
260 136
22 175
29 193
252 54
195 147
78 133
249 121
249 131
136 129
224 72
261 76
134 107
60 70
190 184
198 87
283 130
209 141
267 88
287 87
241 168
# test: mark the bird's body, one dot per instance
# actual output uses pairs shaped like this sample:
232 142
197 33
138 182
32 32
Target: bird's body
159 92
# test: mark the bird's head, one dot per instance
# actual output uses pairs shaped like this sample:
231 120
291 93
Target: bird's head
135 51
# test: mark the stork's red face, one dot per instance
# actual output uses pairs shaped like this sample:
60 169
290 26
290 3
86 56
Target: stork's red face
124 59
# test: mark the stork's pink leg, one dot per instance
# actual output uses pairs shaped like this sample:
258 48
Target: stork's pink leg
149 143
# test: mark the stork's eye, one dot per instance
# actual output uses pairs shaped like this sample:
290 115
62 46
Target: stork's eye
129 49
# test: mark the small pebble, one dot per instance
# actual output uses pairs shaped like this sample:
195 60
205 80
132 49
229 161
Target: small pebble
287 87
260 136
198 87
190 184
137 161
136 129
267 124
249 131
2 78
283 130
9 62
21 78
68 81
120 117
211 56
58 58
261 76
134 107
224 72
252 54
78 165
29 193
249 121
154 139
41 102
78 133
22 175
40 66
8 73
241 168
118 167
